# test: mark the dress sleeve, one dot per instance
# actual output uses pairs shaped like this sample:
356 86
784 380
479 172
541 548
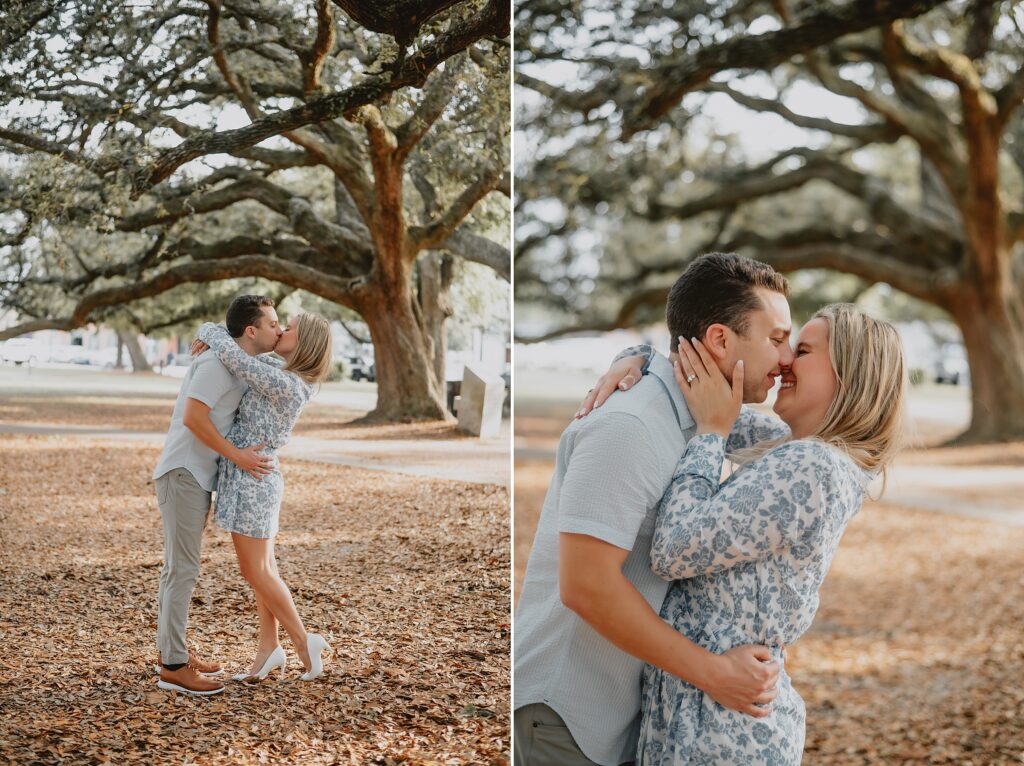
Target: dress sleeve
773 504
753 427
273 361
266 379
643 350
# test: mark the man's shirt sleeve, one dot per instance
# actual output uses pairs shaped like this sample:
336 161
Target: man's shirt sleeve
611 482
210 382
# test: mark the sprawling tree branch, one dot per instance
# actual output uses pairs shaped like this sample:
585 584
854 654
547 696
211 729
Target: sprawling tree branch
268 267
432 235
478 249
313 62
491 20
875 132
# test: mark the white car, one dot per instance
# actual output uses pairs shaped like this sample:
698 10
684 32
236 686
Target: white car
20 351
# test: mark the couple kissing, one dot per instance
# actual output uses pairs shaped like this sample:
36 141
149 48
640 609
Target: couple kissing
236 408
658 599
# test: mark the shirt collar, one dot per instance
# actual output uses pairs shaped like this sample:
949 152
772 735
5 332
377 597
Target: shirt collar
661 368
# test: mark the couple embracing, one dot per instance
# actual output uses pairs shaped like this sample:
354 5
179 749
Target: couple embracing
658 599
236 408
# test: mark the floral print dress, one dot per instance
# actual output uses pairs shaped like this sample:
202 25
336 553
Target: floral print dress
266 415
747 557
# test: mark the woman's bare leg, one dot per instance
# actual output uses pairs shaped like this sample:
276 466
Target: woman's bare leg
256 562
269 639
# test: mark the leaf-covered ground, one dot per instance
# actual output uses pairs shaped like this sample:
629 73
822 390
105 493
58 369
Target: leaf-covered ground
407 577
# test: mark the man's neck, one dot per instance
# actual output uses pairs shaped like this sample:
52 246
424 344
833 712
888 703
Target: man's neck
247 345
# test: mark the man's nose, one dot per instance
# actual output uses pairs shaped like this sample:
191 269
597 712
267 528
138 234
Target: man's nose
786 355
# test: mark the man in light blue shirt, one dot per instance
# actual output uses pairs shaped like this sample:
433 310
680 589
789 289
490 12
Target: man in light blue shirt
587 618
186 475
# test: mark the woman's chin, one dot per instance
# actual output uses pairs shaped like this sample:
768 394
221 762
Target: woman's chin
784 409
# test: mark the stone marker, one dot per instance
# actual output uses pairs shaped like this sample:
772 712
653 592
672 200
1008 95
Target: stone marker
480 404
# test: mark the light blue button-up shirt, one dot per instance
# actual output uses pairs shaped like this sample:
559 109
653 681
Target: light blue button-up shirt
611 471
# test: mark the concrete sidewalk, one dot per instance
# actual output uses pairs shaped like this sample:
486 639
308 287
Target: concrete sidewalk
990 493
477 461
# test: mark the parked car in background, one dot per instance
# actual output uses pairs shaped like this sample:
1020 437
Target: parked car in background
952 366
107 358
69 354
20 351
361 369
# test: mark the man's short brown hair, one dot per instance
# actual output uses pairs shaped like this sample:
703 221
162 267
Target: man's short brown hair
246 310
718 288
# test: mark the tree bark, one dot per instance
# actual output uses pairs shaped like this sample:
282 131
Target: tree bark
131 342
992 323
408 388
435 284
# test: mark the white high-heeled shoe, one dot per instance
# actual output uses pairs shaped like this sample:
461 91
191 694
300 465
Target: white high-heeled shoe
315 645
277 659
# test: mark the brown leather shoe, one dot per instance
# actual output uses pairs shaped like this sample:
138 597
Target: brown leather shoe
186 679
206 668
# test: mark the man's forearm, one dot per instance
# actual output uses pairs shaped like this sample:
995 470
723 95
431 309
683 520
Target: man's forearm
622 616
206 432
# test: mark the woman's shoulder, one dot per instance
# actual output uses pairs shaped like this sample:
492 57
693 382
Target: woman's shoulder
301 390
811 455
815 458
812 450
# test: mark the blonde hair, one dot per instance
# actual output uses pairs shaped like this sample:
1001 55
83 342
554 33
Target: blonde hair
311 360
866 418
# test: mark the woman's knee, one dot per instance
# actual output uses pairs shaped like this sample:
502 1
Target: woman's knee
254 569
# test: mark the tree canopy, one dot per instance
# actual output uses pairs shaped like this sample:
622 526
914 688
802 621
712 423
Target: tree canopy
146 147
918 184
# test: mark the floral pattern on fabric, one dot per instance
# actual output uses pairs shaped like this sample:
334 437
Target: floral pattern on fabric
747 558
266 415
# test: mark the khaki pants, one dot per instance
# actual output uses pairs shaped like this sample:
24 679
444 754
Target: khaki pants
184 506
543 739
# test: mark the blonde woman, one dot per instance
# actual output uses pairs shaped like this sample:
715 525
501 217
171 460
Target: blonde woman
747 556
248 504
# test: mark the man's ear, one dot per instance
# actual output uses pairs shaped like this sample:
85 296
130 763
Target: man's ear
717 340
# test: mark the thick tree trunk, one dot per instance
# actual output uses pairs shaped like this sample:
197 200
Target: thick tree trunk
435 286
131 342
993 330
407 387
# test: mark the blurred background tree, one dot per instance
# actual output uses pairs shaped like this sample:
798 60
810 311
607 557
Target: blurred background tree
889 146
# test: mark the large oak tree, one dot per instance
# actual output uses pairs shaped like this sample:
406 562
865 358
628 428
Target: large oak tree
626 175
346 149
